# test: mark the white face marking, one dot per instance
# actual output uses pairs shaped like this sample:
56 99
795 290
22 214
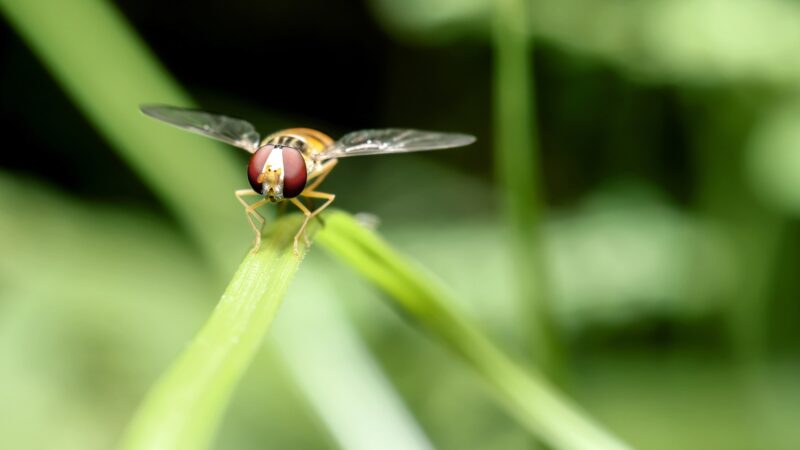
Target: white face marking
274 162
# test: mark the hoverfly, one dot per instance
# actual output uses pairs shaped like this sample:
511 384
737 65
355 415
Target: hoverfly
291 163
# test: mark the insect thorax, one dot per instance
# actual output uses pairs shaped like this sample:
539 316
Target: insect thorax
309 142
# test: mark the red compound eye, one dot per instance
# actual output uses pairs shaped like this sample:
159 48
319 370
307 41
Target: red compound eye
256 166
294 170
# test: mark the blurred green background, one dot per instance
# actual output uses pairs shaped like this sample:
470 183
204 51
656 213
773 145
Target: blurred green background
667 185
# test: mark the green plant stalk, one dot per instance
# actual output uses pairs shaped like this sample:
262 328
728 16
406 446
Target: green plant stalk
757 234
107 71
526 396
516 161
184 408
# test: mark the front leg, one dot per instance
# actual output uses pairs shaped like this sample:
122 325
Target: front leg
319 176
302 229
256 220
309 215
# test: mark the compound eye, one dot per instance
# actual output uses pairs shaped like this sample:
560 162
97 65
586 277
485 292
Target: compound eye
294 170
256 167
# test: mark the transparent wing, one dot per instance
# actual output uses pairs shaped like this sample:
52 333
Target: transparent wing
393 140
226 129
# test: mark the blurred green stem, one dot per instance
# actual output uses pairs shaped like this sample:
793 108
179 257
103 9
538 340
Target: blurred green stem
516 161
756 236
754 232
526 396
183 410
107 71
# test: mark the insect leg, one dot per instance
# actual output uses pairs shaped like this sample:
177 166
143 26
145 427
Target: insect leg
324 195
309 214
301 231
319 178
256 220
323 172
315 194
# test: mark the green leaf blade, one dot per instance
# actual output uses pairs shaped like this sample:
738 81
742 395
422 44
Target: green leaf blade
525 395
184 408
